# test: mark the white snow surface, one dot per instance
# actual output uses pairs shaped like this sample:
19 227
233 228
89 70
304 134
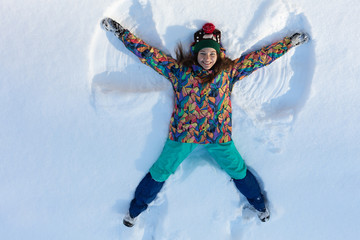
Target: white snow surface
82 121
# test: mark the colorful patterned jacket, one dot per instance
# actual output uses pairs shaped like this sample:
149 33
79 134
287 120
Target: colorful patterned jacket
202 112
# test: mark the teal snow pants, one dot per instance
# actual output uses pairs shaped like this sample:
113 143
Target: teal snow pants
174 153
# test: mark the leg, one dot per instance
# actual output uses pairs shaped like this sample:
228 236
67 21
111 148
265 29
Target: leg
250 188
145 193
171 157
229 159
173 154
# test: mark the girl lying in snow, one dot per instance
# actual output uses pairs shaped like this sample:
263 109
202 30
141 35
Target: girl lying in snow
202 81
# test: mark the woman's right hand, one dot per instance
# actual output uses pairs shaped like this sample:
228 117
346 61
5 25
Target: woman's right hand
112 26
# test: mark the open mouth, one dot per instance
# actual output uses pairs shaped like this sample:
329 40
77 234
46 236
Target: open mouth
207 64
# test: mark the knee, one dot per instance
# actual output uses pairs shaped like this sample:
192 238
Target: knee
248 185
148 187
238 171
159 173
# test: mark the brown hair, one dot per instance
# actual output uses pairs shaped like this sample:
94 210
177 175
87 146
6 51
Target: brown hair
188 59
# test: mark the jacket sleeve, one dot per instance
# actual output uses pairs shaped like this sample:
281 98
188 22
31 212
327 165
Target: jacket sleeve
152 57
247 64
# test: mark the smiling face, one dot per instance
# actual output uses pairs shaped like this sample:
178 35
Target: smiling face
207 58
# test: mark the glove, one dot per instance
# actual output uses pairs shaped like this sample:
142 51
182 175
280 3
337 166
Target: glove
299 38
112 26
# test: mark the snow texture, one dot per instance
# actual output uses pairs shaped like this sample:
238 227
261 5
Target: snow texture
82 121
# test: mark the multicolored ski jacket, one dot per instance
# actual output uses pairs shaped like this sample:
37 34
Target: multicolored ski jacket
202 112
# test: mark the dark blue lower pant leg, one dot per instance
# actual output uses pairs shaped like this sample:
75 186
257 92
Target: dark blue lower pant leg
145 193
250 188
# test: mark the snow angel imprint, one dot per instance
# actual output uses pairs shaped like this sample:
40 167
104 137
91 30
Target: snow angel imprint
202 80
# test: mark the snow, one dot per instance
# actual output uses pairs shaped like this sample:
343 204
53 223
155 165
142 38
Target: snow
82 121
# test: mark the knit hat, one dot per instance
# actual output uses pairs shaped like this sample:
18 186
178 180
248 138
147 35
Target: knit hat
207 37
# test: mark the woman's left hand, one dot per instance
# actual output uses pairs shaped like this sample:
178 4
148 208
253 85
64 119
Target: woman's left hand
299 38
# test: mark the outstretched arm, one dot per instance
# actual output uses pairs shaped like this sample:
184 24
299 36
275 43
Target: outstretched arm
154 58
245 65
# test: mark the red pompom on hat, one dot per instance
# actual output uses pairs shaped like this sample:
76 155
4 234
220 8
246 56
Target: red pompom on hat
208 28
208 36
